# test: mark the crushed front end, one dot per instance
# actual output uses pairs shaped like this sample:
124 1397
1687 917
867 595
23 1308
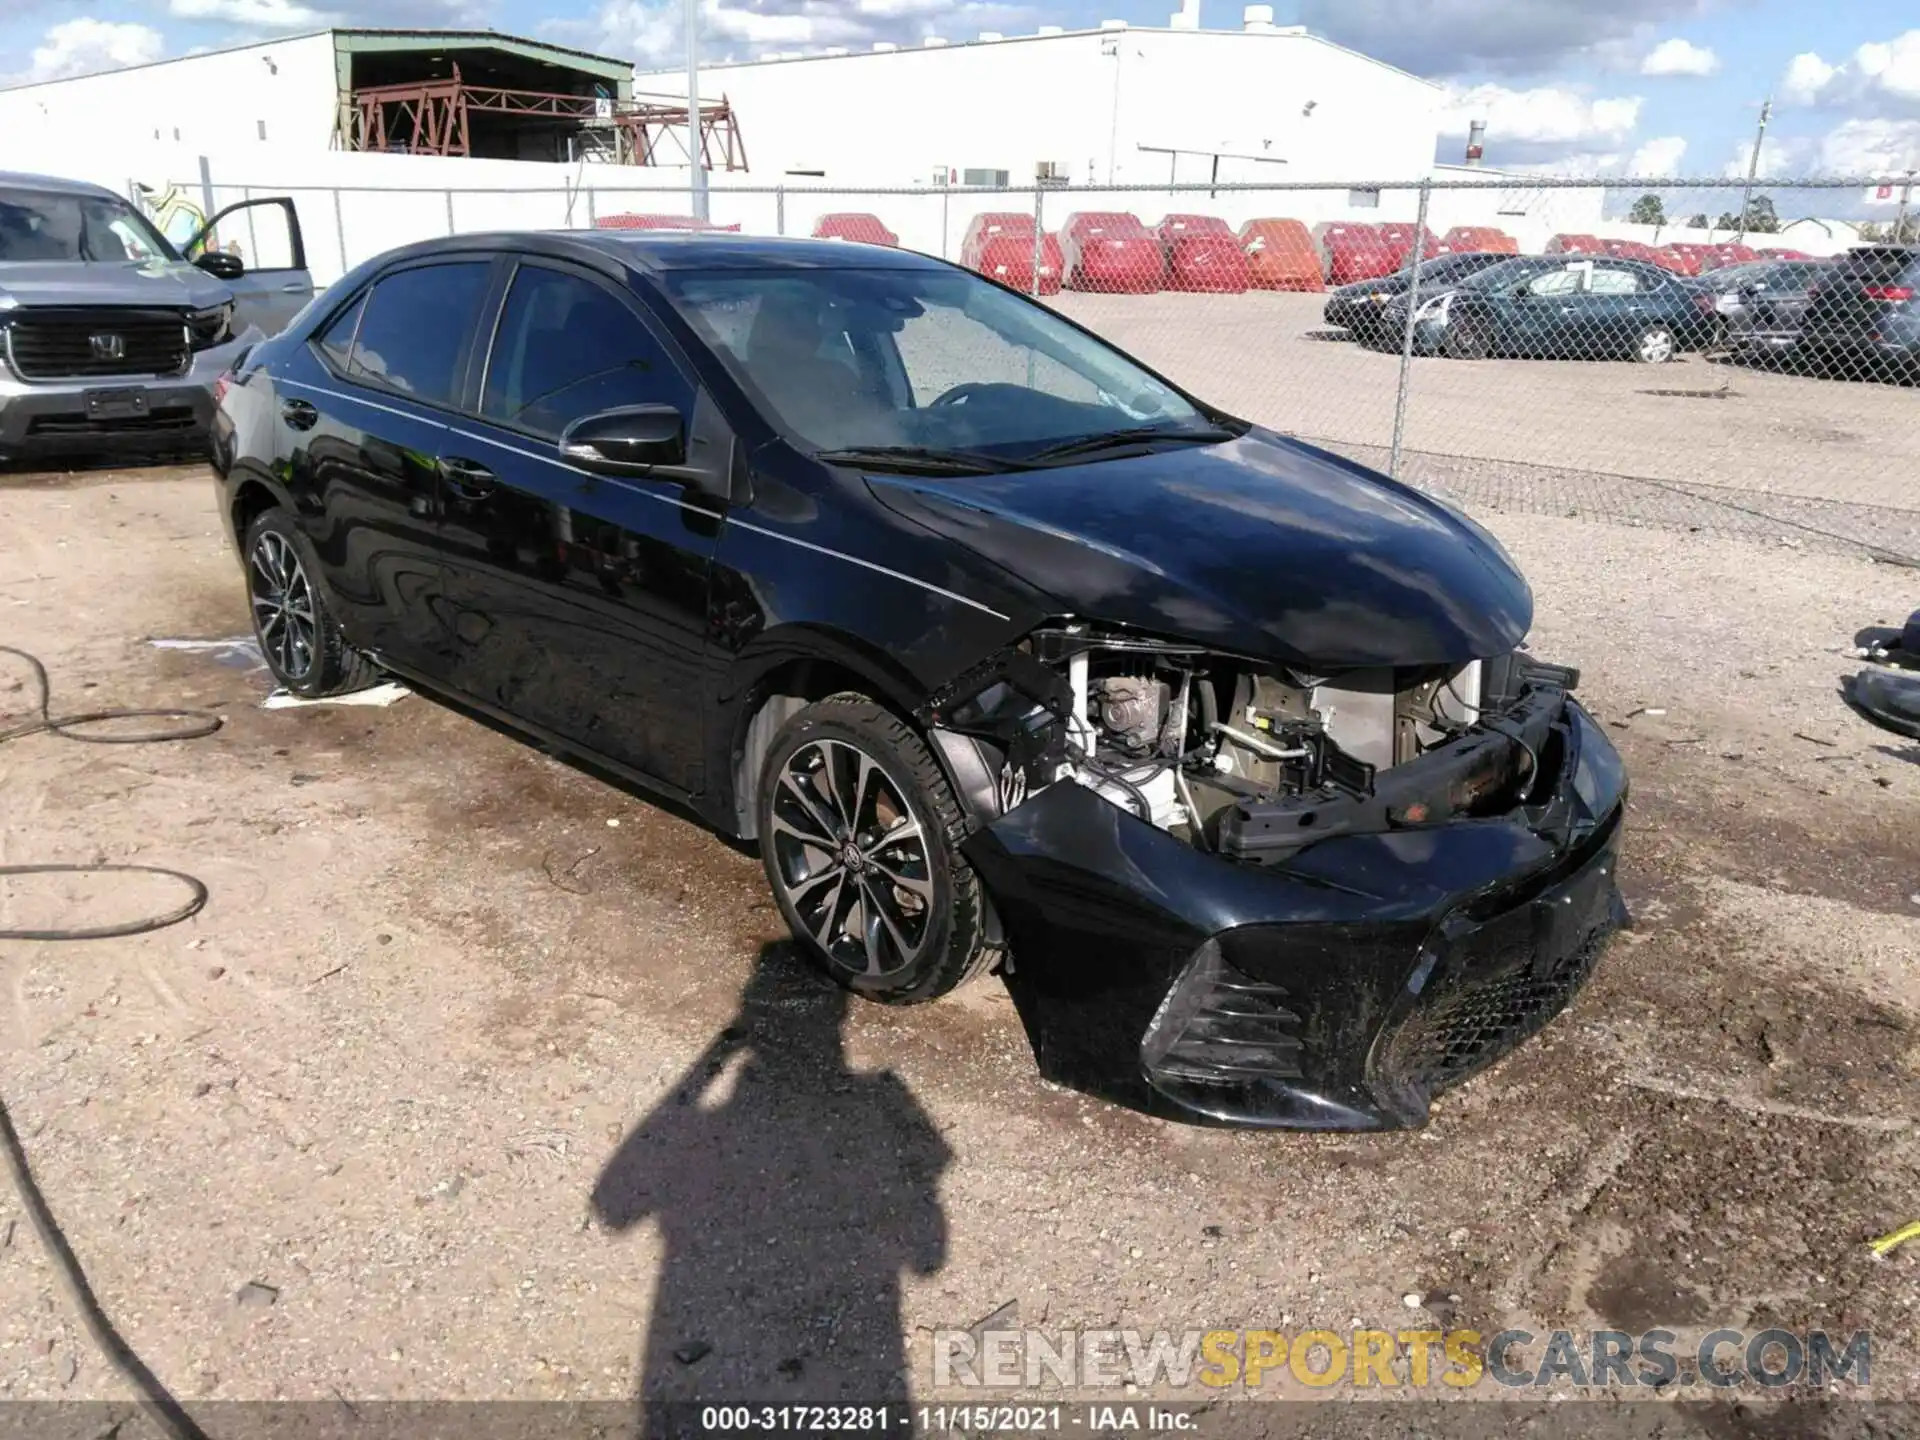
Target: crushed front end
1245 893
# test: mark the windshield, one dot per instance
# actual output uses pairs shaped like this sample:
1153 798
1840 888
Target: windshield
49 225
936 359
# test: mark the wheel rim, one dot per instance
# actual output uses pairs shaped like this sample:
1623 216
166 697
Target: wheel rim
283 608
851 856
1656 347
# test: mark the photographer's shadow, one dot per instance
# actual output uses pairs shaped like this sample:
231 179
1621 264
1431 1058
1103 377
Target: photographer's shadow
791 1192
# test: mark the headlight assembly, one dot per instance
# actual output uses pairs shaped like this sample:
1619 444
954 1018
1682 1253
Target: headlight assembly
210 327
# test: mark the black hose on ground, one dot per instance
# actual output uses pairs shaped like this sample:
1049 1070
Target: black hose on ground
66 1264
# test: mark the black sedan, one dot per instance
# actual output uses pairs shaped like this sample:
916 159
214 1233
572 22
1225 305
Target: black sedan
1358 307
1005 651
1559 308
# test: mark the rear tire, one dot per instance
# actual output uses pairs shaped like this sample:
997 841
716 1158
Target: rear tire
1655 345
860 836
1466 340
299 637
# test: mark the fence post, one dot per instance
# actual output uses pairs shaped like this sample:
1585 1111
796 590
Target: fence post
340 231
946 195
450 229
253 242
779 209
593 218
1406 338
1039 233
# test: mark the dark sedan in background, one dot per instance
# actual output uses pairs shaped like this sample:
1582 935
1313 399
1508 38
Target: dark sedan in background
1761 306
992 640
1557 308
1358 307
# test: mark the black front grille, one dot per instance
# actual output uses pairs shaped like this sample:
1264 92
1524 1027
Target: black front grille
77 344
1462 1032
166 420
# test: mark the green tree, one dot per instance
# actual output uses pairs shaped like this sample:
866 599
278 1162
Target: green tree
1761 219
1697 222
1648 210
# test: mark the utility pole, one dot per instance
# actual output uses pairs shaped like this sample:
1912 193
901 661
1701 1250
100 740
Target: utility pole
1899 236
1753 168
696 137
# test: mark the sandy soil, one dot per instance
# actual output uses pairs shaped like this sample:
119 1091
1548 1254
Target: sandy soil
504 1083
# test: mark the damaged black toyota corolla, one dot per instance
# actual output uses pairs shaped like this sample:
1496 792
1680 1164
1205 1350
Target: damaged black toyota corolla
1003 648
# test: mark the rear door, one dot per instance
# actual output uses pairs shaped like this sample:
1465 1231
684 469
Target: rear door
364 417
1616 308
1542 317
580 599
265 236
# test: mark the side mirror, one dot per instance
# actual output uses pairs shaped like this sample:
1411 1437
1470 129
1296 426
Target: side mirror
221 265
627 441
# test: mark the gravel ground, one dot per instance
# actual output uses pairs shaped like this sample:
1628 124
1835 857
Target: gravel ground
1697 444
480 1078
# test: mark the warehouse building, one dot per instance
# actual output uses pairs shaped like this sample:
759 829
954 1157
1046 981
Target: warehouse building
1117 105
420 92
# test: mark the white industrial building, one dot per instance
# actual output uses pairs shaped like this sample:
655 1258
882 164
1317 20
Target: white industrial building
1117 105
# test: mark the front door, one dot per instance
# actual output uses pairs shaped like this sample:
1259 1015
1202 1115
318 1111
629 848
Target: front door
264 235
579 600
364 417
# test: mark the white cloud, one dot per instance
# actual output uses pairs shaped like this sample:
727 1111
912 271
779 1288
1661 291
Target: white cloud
1780 157
84 45
1679 57
1879 74
1546 115
254 14
1658 157
650 32
1871 146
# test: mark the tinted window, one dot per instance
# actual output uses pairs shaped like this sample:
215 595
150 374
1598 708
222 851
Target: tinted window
336 341
566 348
413 333
1556 282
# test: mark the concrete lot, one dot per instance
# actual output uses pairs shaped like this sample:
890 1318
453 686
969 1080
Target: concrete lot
449 990
1710 444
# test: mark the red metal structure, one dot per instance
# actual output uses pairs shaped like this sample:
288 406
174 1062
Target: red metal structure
432 117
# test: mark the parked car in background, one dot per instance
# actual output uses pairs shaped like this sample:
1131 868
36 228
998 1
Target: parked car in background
992 641
1762 314
855 225
1281 255
1359 307
1863 314
1112 252
1462 239
632 221
1203 254
111 339
1630 250
1684 258
1550 307
1575 244
1397 236
1001 246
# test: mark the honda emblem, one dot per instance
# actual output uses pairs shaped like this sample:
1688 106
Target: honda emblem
108 347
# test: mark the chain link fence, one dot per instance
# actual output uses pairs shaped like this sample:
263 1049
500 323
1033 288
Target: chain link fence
1685 354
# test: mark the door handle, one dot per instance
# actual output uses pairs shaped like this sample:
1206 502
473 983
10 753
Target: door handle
468 479
299 414
294 287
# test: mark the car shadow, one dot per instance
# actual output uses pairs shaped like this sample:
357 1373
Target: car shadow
792 1193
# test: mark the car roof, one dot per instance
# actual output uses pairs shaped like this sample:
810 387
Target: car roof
54 184
659 251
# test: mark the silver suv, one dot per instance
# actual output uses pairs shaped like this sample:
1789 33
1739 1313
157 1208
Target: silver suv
111 339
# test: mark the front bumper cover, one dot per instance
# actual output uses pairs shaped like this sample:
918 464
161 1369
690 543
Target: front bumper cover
1340 988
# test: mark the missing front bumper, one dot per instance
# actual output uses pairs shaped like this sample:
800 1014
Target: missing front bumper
1341 988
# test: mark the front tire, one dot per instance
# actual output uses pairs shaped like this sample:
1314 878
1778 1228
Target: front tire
860 835
299 637
1467 340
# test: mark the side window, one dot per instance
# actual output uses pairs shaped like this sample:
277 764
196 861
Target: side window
414 327
1615 282
567 349
1556 282
336 341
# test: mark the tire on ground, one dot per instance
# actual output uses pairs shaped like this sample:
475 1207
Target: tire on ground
336 667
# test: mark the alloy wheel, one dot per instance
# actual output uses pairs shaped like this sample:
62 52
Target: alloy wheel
851 855
1656 347
283 605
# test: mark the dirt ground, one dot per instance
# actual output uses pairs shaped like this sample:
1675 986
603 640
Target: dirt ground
503 1084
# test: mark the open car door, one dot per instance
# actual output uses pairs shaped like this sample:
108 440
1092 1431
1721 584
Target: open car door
272 283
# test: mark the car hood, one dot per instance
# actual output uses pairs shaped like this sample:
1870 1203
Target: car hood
1393 284
1262 546
169 283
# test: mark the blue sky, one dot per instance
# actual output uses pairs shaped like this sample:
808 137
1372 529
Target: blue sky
1578 86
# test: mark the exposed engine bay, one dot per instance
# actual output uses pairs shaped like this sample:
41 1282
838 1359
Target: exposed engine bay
1247 759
